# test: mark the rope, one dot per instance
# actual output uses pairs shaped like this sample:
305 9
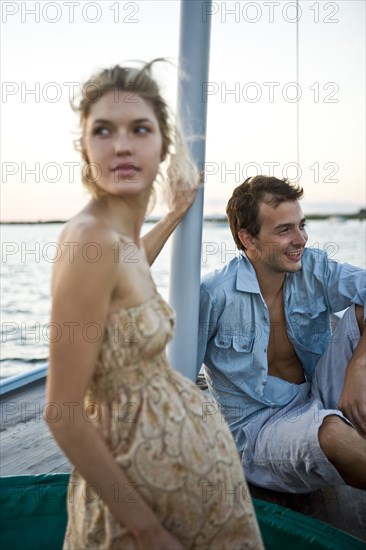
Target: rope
297 82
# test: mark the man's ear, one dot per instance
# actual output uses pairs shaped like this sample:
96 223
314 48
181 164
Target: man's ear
246 239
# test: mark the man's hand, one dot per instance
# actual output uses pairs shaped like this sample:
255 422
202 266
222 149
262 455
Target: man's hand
353 397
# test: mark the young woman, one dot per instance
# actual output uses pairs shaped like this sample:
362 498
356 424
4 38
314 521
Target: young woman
151 470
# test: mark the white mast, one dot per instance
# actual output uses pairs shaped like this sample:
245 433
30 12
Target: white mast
195 26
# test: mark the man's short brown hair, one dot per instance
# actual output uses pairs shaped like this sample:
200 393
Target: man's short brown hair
243 207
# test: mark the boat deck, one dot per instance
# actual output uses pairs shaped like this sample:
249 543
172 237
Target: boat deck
27 446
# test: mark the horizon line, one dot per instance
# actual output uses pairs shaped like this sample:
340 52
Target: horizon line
361 214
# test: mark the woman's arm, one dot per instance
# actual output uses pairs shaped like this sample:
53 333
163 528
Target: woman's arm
156 238
181 200
82 292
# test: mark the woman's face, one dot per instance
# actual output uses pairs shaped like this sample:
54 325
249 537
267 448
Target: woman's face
123 143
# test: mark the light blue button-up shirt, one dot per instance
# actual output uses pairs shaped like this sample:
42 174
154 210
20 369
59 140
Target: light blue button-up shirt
235 329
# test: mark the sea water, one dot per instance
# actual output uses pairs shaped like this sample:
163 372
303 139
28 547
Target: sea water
30 251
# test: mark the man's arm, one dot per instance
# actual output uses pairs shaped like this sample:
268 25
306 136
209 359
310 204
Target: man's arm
345 284
353 397
208 319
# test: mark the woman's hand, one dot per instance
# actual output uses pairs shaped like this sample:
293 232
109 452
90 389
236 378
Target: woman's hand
181 197
181 194
158 540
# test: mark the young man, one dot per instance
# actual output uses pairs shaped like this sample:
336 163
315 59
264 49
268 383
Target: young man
293 394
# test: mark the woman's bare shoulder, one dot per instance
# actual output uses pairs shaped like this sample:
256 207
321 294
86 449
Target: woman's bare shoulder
85 228
87 252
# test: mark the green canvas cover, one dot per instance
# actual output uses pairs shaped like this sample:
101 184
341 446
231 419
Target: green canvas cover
33 517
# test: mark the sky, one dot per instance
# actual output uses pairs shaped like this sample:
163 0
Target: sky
49 48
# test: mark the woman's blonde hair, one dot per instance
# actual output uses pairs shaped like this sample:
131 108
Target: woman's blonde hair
137 81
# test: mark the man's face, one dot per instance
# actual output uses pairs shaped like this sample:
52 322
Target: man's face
280 243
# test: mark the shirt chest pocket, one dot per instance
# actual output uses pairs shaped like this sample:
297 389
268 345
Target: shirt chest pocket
233 342
310 324
311 310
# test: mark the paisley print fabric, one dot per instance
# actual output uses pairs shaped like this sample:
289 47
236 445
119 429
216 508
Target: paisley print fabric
169 438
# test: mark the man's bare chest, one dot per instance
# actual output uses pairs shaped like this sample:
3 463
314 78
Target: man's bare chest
282 359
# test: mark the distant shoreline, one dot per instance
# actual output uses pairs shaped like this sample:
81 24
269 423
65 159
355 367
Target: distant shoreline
215 219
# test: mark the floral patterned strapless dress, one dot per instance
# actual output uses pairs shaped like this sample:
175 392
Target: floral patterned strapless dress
165 434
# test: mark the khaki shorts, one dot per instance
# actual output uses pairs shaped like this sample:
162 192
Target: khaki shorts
282 450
